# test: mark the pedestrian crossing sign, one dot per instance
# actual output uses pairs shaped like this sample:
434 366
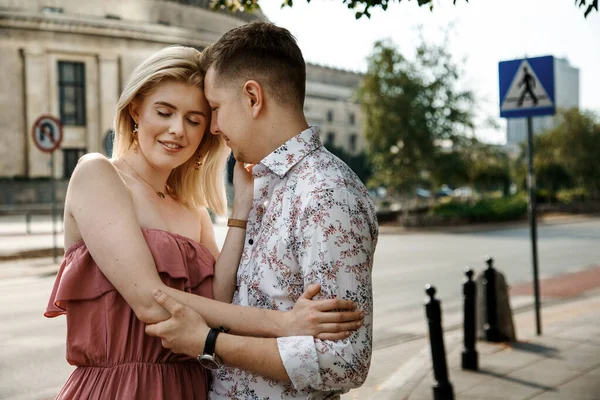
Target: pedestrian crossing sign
527 87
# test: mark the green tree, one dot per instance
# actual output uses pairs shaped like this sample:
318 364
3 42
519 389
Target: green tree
450 168
575 143
489 166
567 155
551 173
550 178
408 107
363 7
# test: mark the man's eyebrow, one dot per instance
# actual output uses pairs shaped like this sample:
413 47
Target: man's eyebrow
164 103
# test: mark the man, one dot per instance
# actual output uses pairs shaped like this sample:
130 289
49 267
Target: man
312 222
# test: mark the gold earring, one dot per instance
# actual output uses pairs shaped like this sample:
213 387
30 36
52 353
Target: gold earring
135 136
198 161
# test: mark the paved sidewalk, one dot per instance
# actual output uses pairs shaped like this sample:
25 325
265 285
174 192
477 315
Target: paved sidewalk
563 363
23 255
16 243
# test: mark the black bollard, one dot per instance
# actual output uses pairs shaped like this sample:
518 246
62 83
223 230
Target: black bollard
490 328
442 388
469 354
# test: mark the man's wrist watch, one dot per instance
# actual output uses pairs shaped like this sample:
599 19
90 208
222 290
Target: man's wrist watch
208 359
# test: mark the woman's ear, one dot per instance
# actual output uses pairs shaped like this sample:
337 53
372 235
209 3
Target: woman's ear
254 95
134 110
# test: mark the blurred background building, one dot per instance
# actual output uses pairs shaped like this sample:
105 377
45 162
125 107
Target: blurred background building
566 87
70 59
329 105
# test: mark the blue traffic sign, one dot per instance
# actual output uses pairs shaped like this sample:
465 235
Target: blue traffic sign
527 87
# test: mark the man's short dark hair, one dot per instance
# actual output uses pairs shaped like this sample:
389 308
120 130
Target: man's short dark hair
263 52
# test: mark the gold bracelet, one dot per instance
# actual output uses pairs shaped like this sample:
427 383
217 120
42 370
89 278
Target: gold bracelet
237 223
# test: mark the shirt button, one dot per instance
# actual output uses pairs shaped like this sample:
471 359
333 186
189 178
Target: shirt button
250 242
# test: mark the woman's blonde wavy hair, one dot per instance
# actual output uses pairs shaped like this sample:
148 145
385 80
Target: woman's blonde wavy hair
202 188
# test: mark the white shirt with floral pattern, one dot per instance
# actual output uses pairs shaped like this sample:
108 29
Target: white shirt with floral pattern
312 222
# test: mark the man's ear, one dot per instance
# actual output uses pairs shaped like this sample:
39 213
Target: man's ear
254 95
134 110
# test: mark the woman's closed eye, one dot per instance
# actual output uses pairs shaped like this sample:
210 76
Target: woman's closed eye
167 115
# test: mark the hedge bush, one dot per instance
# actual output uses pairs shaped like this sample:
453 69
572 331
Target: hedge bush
485 210
572 195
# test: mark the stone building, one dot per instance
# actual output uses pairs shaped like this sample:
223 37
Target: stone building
69 59
330 105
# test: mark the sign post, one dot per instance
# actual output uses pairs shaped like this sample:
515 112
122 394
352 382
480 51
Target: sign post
527 90
47 136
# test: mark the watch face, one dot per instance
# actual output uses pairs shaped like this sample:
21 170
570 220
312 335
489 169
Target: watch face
208 362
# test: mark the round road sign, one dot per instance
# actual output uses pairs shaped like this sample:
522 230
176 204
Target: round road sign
47 133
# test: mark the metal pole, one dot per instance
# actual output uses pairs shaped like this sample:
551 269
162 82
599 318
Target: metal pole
533 224
442 388
469 359
53 189
28 222
490 328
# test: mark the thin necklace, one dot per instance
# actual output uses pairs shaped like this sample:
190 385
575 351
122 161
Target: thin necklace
158 192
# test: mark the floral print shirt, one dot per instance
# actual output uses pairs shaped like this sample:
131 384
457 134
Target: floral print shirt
312 221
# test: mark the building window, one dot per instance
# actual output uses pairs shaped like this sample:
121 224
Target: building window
70 158
330 116
351 119
330 140
71 88
352 141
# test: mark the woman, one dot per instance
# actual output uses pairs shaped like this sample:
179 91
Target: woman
138 222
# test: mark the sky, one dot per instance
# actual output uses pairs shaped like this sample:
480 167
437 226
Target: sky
483 33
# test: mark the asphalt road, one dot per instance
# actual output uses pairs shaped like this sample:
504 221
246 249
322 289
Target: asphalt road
405 263
32 348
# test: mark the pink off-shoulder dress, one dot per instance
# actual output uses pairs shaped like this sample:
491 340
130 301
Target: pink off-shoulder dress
115 358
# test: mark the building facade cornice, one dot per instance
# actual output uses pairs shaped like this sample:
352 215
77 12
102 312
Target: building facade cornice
79 25
333 76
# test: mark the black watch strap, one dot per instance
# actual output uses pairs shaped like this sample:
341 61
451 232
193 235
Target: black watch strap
211 340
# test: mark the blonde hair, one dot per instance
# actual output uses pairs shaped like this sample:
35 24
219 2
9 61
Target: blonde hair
202 188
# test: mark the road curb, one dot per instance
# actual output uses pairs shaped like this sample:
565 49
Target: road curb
32 253
392 229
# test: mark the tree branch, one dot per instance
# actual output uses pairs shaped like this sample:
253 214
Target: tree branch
591 7
362 7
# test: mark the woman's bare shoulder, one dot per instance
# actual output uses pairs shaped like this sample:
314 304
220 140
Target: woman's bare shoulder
95 181
97 168
94 163
95 175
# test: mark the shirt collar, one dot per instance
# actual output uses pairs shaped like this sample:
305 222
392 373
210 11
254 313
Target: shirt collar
291 152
